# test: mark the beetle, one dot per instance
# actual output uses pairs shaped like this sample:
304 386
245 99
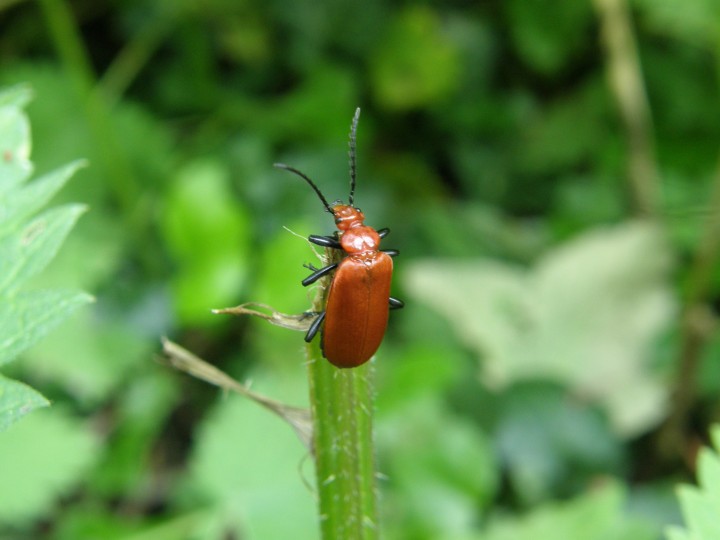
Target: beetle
355 318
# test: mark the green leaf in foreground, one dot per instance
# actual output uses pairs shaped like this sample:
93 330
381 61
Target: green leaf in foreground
27 251
28 242
16 96
16 400
701 505
207 234
28 316
22 203
15 165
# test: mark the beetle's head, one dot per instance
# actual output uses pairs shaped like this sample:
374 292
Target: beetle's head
347 216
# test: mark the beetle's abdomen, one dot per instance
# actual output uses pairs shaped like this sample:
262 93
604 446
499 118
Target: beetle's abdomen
357 309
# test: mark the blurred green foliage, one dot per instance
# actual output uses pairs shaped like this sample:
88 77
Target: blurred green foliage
531 370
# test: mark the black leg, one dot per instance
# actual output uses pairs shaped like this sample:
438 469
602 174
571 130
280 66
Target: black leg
383 232
391 252
317 274
325 241
396 304
314 327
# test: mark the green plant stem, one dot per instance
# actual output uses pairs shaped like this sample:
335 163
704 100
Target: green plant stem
697 326
342 408
124 185
69 45
626 81
133 57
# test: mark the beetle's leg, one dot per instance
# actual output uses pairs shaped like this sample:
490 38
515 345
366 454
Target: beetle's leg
317 274
325 241
391 252
311 267
382 233
396 304
314 327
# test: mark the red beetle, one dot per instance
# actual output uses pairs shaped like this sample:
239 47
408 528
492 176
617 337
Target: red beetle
359 297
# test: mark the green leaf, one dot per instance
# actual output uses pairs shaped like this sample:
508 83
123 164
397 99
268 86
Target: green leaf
418 373
43 457
27 316
545 147
695 21
90 519
416 64
24 202
440 484
586 316
597 515
27 252
16 400
15 166
319 109
16 96
701 505
97 357
207 232
277 285
245 464
548 32
550 443
142 409
675 533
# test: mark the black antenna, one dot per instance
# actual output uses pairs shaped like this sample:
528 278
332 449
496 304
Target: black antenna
353 168
312 184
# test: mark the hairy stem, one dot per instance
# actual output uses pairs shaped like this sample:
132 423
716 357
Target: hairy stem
342 407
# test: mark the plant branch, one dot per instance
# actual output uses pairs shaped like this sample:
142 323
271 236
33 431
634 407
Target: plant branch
69 45
698 324
133 57
626 82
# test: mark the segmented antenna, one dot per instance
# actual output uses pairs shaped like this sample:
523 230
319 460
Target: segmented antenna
312 184
352 145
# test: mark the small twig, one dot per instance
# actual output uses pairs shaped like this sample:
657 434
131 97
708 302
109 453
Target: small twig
184 360
300 322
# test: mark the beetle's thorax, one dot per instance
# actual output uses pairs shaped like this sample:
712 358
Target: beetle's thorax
360 239
356 238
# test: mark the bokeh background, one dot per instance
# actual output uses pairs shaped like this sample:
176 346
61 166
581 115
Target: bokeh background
547 169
